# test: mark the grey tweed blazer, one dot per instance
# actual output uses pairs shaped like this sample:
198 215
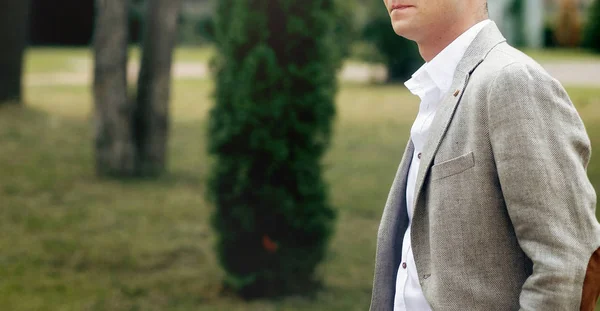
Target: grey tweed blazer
504 211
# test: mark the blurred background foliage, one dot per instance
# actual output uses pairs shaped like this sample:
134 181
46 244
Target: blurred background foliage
400 55
70 22
592 29
362 29
269 129
72 240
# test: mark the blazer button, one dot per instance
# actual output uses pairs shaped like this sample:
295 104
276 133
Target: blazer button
419 155
404 265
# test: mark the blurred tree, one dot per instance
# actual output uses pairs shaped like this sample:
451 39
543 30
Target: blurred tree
71 22
592 30
206 28
193 22
275 72
346 27
131 134
114 136
516 10
154 85
568 26
61 22
136 16
14 17
400 55
549 36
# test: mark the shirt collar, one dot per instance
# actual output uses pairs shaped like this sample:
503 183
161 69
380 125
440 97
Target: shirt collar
439 72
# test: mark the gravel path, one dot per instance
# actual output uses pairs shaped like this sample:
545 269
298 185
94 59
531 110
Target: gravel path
573 73
580 74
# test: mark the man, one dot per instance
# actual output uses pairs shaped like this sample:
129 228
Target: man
491 207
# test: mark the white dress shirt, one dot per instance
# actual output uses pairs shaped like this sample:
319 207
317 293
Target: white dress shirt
431 82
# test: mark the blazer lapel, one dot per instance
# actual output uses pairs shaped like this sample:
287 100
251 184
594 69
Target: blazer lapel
485 41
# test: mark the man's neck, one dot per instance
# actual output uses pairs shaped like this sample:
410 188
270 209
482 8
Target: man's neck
431 46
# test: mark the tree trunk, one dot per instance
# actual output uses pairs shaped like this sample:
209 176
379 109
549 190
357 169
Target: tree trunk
14 21
154 83
115 148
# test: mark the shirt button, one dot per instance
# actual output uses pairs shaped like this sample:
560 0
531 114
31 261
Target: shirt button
419 155
404 265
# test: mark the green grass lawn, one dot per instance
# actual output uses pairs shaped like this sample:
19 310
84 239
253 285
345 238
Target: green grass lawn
56 59
71 241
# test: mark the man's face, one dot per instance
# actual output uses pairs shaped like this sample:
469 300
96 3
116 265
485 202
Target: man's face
419 19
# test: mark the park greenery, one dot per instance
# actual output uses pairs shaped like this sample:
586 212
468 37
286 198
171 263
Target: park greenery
269 127
277 171
72 241
400 55
592 31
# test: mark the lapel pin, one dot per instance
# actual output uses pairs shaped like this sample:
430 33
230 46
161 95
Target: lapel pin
456 93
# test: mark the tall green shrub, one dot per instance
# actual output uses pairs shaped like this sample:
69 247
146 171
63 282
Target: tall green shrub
275 72
516 10
400 55
592 30
346 29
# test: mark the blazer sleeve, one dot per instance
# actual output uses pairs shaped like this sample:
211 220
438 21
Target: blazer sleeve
541 151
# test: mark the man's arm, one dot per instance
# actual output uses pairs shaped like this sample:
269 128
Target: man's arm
541 151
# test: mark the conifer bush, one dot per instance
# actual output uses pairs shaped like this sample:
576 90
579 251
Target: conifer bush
275 76
592 30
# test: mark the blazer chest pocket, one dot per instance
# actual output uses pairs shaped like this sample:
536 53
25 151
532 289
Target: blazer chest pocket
452 166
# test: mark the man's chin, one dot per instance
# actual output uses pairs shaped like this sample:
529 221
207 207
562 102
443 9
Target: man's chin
401 29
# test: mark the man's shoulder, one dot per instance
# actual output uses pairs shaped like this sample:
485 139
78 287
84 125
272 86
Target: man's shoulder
505 54
505 62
